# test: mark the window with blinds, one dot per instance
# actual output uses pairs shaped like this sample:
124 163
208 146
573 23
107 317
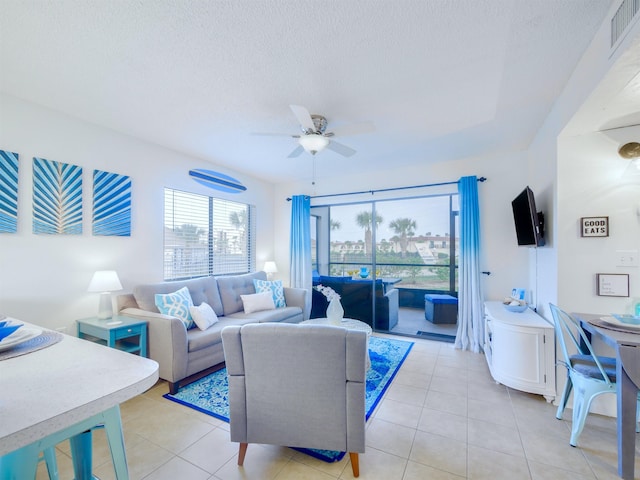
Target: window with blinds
206 236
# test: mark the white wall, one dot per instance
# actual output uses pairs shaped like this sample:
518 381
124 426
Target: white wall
44 278
576 173
506 177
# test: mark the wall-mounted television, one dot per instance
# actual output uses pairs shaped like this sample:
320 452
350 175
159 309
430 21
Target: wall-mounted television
528 221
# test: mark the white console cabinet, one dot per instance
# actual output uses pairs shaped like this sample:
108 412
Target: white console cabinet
520 350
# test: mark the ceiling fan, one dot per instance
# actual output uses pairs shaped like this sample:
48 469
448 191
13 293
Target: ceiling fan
315 138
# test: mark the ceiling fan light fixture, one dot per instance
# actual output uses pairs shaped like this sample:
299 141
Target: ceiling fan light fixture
630 150
313 143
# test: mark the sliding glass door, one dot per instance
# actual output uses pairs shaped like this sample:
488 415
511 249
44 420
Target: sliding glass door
408 245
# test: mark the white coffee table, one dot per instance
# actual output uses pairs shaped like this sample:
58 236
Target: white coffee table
349 324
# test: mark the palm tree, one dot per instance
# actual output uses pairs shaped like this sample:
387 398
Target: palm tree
189 233
405 228
335 224
239 222
364 220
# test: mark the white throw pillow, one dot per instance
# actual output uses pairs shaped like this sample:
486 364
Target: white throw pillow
257 302
203 315
176 304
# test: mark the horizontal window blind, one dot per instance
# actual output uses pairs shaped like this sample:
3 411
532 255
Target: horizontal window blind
206 236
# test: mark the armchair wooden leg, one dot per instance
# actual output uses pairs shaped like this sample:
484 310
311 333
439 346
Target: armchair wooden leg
241 453
355 465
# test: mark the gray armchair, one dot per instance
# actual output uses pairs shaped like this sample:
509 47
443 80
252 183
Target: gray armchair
297 386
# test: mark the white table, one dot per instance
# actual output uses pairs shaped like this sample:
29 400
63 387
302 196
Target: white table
61 392
349 324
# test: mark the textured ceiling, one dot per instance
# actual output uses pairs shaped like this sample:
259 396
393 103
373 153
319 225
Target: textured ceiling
440 79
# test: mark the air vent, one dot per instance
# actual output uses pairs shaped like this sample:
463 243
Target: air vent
622 18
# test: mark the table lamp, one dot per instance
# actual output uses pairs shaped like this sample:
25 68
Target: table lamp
270 268
105 282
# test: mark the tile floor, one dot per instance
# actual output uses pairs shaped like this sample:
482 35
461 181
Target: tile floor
442 418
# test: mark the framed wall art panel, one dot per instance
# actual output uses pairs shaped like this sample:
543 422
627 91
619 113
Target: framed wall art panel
57 197
8 192
111 204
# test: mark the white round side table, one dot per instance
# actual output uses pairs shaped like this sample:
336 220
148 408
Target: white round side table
349 324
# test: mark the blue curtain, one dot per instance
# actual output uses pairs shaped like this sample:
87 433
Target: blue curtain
470 334
300 246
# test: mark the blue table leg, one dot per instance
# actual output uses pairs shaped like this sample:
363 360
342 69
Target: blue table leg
82 455
22 464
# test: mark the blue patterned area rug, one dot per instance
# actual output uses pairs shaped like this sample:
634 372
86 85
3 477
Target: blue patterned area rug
209 394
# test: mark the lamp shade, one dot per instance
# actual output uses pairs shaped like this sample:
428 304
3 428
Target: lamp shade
270 267
105 281
313 143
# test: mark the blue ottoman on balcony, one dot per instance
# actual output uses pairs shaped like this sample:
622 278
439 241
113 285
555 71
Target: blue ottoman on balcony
440 308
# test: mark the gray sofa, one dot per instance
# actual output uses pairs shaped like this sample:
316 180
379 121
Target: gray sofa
184 355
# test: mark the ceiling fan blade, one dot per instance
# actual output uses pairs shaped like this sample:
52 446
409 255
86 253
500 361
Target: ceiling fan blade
268 134
340 148
354 129
297 152
304 117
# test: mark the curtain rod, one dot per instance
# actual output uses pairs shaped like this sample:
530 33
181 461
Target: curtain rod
481 179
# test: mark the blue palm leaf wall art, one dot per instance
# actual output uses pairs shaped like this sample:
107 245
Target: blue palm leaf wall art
111 204
57 197
8 192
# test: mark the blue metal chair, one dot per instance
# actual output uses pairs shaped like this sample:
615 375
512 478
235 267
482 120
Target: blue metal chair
590 374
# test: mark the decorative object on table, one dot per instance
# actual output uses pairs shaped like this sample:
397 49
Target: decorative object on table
626 322
111 204
217 180
8 192
612 284
335 312
57 197
270 268
209 395
18 337
516 302
36 339
594 226
105 282
7 327
364 272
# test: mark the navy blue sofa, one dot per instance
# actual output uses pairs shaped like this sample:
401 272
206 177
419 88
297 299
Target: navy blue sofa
357 300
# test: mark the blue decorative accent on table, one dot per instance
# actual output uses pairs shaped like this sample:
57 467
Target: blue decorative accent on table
8 192
210 394
111 204
217 180
57 197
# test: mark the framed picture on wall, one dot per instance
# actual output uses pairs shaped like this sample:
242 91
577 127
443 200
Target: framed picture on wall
594 227
612 284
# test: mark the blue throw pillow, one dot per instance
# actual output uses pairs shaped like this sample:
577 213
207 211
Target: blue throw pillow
177 305
276 289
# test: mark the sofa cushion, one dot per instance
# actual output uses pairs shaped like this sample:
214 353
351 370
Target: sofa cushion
285 314
176 304
203 289
257 302
198 339
275 288
231 288
203 315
